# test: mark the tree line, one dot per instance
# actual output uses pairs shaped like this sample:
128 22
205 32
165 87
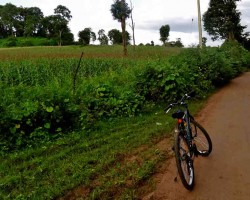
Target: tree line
221 21
31 22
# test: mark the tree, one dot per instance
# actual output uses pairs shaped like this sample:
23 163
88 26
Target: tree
61 19
85 36
121 11
222 20
64 12
3 31
204 41
67 37
19 21
32 18
244 40
30 22
115 37
93 36
103 39
178 43
164 33
54 26
8 15
132 23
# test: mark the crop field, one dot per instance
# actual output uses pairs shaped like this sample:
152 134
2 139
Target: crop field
88 129
49 89
115 51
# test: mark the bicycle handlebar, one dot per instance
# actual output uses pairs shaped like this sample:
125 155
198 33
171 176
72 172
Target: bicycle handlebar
181 102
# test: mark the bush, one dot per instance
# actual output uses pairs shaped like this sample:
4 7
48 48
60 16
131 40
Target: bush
26 43
38 103
41 113
10 42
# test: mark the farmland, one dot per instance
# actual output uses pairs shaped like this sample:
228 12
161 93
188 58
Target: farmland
64 126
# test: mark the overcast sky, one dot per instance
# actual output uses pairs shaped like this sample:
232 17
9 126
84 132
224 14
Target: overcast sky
149 16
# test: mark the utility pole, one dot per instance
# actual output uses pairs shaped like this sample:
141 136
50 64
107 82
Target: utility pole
199 23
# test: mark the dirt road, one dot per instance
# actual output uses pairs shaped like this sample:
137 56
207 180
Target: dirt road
225 174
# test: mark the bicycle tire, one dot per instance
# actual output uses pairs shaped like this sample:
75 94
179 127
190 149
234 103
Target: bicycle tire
201 139
183 162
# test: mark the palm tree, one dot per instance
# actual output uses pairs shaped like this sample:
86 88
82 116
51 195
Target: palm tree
121 12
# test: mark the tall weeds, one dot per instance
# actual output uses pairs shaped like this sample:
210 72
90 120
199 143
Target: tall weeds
37 103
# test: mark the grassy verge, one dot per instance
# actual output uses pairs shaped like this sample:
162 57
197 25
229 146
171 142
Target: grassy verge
110 162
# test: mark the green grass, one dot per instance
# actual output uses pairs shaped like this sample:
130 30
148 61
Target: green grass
113 158
98 161
116 51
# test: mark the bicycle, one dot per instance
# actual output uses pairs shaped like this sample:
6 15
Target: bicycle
191 140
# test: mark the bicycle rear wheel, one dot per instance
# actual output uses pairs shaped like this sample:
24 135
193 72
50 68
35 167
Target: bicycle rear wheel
201 138
183 161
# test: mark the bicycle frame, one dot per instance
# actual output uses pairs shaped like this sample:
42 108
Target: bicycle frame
184 122
185 127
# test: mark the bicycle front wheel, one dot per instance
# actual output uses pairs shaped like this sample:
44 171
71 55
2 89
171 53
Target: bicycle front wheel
184 162
201 138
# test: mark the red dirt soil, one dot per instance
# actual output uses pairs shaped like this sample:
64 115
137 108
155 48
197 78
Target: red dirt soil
225 174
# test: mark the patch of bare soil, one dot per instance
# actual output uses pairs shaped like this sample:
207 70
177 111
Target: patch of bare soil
225 174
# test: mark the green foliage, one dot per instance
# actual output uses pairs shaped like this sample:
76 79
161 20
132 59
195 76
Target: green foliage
85 36
26 42
120 9
222 20
10 42
115 36
30 22
102 37
37 103
164 33
170 80
38 106
237 56
49 171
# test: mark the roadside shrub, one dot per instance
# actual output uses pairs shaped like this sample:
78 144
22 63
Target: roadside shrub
39 103
164 83
216 67
237 56
37 114
189 60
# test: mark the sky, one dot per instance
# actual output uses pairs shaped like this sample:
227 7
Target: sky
148 15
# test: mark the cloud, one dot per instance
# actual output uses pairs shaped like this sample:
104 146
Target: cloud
186 25
244 5
149 16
